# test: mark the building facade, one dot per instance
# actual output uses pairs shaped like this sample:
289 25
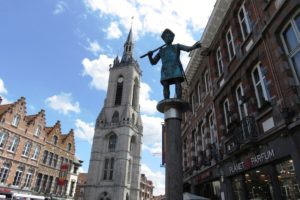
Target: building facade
146 188
241 139
82 180
32 157
114 170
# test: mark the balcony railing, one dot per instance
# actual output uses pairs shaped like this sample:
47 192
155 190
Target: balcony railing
243 133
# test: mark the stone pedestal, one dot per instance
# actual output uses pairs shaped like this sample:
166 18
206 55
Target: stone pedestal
173 109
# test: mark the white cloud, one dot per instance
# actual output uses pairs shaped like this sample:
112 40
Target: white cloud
152 133
3 90
182 18
60 7
63 103
157 177
93 47
84 130
148 106
98 70
113 31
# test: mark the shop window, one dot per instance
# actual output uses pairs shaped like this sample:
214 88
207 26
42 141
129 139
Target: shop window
230 44
244 21
258 184
289 185
291 38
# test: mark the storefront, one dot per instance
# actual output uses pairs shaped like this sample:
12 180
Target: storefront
207 184
267 173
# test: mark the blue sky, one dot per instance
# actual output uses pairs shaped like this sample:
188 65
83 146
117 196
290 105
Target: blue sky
56 53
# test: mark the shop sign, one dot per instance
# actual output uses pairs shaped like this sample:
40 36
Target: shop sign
253 161
203 176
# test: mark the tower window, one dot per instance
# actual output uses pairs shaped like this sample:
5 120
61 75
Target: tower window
108 168
112 142
119 91
135 94
115 117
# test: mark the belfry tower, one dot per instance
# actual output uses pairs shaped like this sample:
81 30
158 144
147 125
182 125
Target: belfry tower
114 170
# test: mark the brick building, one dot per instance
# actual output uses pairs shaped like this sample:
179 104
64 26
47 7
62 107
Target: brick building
241 139
146 188
34 158
79 193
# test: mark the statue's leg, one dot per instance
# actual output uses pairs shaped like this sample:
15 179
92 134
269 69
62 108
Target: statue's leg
166 90
178 89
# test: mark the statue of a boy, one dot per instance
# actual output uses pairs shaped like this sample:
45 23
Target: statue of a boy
171 70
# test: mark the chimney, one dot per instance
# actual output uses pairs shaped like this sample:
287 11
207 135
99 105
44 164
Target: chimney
0 100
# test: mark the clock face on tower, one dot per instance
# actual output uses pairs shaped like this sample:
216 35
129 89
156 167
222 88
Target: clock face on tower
120 79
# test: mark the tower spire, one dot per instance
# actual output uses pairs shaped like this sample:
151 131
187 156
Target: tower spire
128 47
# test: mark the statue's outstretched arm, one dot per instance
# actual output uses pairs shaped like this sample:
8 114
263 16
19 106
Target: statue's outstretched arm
189 48
153 60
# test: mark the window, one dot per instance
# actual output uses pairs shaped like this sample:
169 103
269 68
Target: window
259 81
55 159
69 147
202 135
192 102
14 144
38 182
129 171
112 141
104 196
135 94
55 138
211 128
206 82
119 91
291 38
244 21
132 141
219 61
16 120
115 117
36 153
4 172
28 178
45 156
108 169
3 137
198 93
230 44
50 159
72 188
27 148
240 98
226 112
38 130
18 176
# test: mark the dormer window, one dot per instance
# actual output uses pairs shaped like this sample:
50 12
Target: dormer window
38 130
69 146
55 139
16 120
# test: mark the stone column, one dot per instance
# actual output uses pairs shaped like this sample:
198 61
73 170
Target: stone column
173 109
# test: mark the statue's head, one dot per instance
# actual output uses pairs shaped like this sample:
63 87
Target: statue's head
168 36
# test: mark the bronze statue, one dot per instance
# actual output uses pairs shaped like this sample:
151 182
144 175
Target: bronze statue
171 70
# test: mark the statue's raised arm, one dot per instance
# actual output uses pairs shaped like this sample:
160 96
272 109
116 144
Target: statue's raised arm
171 70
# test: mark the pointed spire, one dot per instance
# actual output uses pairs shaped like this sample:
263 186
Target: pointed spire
128 47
